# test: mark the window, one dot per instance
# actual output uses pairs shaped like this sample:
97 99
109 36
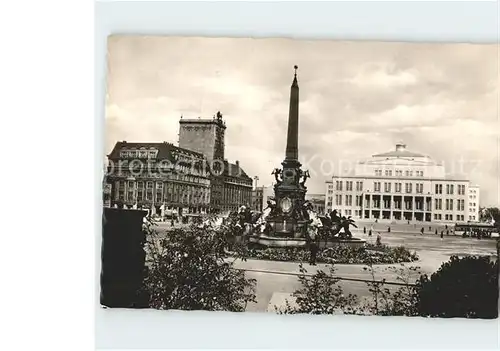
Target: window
378 173
338 184
399 173
408 188
358 200
398 187
348 200
330 186
159 185
388 173
419 188
348 185
439 189
338 200
359 186
449 204
451 189
330 191
150 185
130 184
387 187
376 186
439 204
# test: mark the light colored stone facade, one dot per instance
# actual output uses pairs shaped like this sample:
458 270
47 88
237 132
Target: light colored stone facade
402 186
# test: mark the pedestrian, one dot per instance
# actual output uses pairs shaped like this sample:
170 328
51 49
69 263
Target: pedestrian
436 232
172 222
422 231
313 248
408 221
447 233
442 234
430 228
378 242
370 232
446 226
388 229
364 230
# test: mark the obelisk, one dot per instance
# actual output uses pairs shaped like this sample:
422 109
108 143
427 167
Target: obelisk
292 141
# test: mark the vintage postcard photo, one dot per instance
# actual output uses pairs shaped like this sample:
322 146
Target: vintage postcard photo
301 177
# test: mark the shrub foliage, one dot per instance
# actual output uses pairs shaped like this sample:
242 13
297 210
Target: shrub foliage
188 269
339 254
463 287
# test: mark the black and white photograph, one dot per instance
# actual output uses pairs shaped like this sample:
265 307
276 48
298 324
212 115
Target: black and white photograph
289 176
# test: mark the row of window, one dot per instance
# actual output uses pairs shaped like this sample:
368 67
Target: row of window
449 204
348 185
183 197
377 187
357 213
138 153
448 217
450 189
419 187
348 200
398 173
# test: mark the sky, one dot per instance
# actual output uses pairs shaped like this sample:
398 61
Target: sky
356 99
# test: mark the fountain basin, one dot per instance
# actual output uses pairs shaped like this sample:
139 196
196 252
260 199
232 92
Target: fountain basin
272 241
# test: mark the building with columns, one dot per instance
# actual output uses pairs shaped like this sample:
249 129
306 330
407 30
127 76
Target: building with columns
402 185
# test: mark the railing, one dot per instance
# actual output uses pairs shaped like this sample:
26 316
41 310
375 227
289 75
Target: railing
311 275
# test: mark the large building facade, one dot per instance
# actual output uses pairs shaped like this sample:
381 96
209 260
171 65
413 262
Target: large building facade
162 178
402 185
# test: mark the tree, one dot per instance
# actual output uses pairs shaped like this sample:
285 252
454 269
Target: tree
486 214
466 287
189 270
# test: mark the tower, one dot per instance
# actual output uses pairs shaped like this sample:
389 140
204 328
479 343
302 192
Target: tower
205 136
290 186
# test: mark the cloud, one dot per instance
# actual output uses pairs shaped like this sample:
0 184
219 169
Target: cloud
356 99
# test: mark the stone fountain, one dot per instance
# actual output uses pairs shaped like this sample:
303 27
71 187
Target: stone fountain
287 223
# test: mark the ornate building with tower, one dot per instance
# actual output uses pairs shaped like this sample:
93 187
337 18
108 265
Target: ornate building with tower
402 185
186 180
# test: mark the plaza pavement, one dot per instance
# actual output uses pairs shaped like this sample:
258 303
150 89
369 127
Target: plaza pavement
276 281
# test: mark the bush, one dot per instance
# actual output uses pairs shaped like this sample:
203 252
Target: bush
338 254
466 287
189 270
320 294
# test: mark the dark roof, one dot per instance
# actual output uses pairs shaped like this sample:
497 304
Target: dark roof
234 170
165 150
